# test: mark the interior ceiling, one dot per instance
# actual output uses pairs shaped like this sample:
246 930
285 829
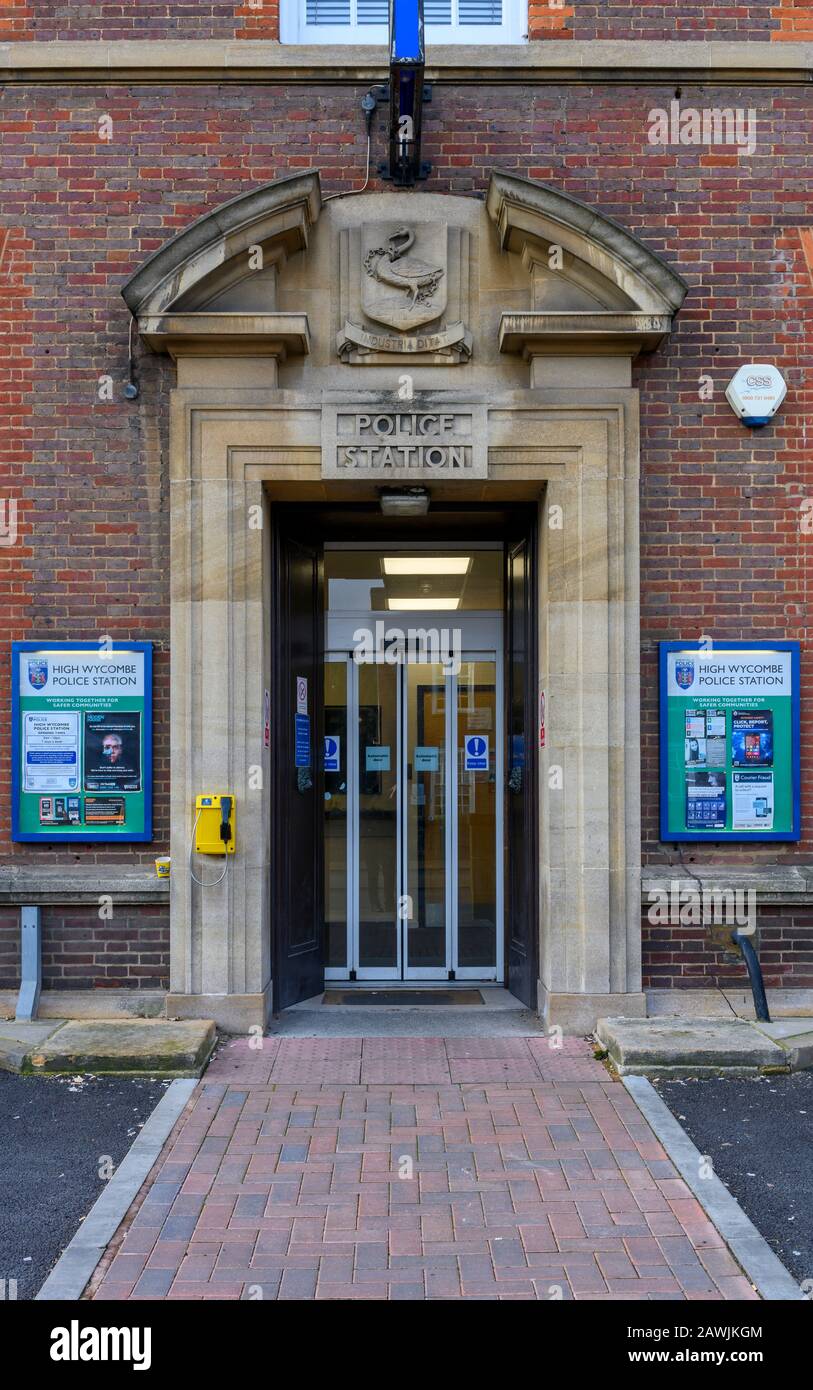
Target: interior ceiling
445 529
356 579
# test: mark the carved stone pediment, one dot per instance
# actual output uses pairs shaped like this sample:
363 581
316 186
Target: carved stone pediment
213 287
402 279
593 287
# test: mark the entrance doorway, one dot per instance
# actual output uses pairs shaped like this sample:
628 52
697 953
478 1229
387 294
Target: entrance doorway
413 791
406 847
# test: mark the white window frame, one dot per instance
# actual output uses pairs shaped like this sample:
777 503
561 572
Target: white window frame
294 29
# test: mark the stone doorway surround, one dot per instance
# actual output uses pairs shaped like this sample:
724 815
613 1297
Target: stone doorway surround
556 302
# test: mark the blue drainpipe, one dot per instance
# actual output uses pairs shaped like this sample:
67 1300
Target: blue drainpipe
754 974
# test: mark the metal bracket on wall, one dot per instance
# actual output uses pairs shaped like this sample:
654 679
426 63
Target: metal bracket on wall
30 964
381 92
401 175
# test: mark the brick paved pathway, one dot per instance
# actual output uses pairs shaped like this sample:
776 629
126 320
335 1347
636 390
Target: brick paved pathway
413 1168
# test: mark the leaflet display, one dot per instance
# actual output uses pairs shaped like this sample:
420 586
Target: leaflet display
729 741
81 741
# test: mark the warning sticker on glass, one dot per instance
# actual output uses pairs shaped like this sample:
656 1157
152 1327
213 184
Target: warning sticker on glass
475 753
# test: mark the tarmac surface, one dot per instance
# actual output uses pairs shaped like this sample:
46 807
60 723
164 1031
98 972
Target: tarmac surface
54 1134
758 1133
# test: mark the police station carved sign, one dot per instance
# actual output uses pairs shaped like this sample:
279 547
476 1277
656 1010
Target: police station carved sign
446 441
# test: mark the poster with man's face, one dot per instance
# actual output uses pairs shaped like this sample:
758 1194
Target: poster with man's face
112 751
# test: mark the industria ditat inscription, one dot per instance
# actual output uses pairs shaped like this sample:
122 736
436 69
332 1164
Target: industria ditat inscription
412 278
404 445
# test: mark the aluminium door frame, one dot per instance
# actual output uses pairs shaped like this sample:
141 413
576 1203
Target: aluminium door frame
497 971
372 972
430 972
486 624
338 972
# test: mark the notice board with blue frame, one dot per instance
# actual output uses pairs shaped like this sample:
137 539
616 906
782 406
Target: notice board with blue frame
729 741
81 741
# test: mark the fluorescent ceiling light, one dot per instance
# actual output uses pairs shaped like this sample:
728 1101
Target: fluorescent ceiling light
429 564
402 605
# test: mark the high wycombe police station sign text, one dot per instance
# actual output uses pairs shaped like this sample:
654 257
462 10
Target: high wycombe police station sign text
393 444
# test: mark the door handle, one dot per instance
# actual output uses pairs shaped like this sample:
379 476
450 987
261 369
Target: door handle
515 779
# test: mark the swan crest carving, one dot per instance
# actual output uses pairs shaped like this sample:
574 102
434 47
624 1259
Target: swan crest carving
391 265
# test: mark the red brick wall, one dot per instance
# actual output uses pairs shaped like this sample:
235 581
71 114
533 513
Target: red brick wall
87 20
550 21
257 19
242 19
675 19
16 432
15 20
43 20
131 951
795 21
88 475
676 957
722 550
723 553
9 948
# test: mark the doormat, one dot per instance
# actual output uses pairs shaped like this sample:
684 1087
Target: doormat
403 996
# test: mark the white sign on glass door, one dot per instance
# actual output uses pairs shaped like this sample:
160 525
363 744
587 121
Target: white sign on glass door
426 759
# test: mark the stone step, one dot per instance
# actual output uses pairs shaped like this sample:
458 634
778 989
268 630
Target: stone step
153 1046
706 1046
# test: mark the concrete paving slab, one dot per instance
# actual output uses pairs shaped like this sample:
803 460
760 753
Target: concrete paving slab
795 1035
783 1028
689 1047
18 1039
366 1021
132 1045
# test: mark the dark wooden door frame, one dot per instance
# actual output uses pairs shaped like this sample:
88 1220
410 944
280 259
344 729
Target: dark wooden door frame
289 544
312 525
522 858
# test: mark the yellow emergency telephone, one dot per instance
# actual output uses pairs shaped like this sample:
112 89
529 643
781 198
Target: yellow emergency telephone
214 823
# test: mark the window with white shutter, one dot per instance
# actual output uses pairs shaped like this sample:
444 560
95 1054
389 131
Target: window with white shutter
366 21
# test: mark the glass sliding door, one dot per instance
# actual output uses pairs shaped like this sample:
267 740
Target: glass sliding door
426 822
478 882
337 802
413 815
378 821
